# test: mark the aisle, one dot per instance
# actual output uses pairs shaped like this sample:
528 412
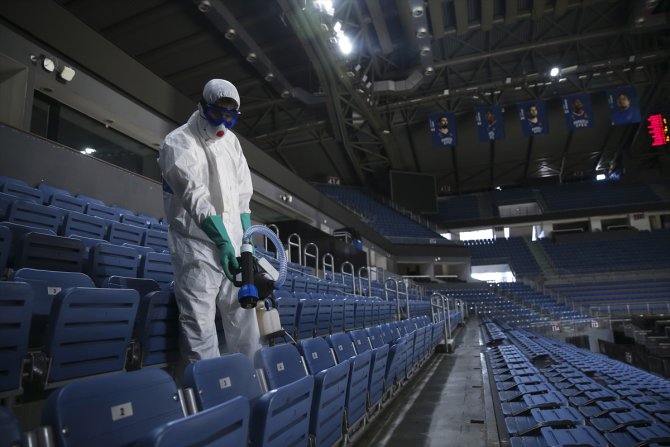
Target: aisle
447 405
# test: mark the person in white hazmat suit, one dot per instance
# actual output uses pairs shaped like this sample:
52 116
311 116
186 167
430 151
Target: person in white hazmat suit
206 193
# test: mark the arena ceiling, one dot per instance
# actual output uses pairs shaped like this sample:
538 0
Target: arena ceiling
357 117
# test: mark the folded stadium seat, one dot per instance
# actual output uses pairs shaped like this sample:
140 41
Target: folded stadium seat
283 366
311 284
577 436
617 421
149 219
84 225
47 252
16 301
324 314
101 210
603 408
395 361
305 316
131 219
330 391
279 417
299 283
89 332
10 429
141 250
123 211
337 313
35 215
359 377
226 424
6 201
89 199
114 410
155 239
67 202
119 233
653 435
157 266
4 179
287 306
377 375
359 313
106 260
349 312
5 248
45 285
22 190
530 401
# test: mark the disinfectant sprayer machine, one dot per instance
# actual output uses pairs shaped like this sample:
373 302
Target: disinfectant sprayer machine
257 280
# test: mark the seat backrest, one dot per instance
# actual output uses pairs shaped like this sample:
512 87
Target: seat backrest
131 219
157 266
107 260
361 340
46 252
35 215
221 379
16 302
282 365
142 251
142 285
317 354
342 346
103 211
119 233
5 247
84 225
287 306
10 430
158 329
376 337
156 239
89 332
112 410
22 190
48 191
47 284
226 425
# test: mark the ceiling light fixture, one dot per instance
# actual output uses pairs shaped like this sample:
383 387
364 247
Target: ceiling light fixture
554 71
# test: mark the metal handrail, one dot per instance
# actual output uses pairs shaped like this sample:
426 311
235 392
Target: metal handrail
306 254
352 273
360 279
397 295
275 229
406 293
291 242
328 261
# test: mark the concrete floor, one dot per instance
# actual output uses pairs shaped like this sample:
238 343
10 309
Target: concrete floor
448 403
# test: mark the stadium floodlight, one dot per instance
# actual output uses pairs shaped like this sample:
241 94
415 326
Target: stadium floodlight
554 71
601 177
344 43
88 151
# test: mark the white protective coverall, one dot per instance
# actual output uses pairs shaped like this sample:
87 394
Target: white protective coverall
204 176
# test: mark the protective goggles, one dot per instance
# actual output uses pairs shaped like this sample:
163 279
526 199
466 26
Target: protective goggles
216 115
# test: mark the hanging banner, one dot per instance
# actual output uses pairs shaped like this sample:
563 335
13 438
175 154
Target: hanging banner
624 106
577 111
443 129
490 124
533 118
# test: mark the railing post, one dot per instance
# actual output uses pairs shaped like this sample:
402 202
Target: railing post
328 261
294 241
275 229
306 254
352 273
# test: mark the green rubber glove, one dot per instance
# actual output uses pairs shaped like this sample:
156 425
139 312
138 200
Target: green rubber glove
216 231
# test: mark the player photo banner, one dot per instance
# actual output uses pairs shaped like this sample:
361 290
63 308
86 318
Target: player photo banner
533 118
490 124
577 111
624 106
443 129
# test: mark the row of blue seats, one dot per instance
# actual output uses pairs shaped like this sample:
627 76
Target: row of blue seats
23 246
46 194
318 392
556 394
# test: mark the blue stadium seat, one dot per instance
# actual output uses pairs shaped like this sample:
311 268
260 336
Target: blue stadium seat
349 313
5 247
47 252
158 329
67 202
84 225
119 233
155 239
226 424
22 190
102 211
323 314
48 191
142 285
218 380
10 430
142 251
287 306
113 410
377 375
34 215
16 301
157 266
137 221
6 202
157 226
359 376
337 315
306 315
89 332
107 260
89 199
330 391
558 418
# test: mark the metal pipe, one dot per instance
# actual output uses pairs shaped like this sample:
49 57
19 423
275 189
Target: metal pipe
306 254
294 241
328 261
